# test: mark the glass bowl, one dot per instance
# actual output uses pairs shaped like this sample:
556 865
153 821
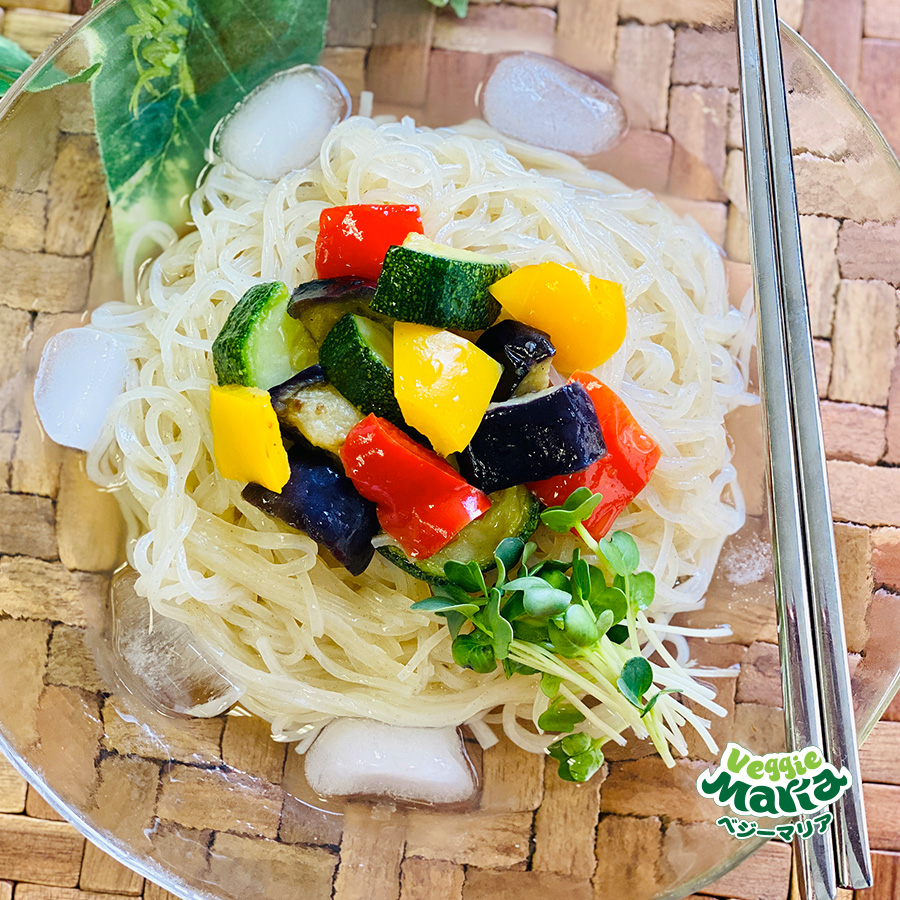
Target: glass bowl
211 807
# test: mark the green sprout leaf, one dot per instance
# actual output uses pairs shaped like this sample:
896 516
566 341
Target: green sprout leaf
508 553
528 582
475 651
604 622
455 621
618 634
464 576
625 544
652 702
561 642
612 599
560 717
511 668
580 505
578 755
546 601
443 604
643 589
500 628
550 684
635 680
580 627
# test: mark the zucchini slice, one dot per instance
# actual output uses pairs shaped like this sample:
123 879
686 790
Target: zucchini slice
260 345
514 512
358 358
431 284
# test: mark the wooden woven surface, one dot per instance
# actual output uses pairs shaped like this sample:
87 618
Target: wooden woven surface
42 858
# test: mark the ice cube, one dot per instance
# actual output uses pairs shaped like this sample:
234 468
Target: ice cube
280 126
159 660
543 102
363 757
82 371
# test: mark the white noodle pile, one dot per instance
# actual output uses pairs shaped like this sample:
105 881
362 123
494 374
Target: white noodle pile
310 641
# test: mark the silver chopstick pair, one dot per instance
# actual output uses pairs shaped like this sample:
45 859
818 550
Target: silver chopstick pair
818 706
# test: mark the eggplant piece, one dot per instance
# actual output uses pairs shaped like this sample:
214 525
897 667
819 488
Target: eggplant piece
322 501
525 353
281 393
319 304
538 436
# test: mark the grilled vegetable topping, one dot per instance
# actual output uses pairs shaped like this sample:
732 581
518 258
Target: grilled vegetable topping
358 358
319 304
354 239
554 432
435 285
525 353
308 406
514 512
260 345
584 316
619 476
422 502
320 500
246 438
443 384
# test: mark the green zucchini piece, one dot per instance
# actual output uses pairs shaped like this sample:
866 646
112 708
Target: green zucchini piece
358 358
514 512
431 284
260 345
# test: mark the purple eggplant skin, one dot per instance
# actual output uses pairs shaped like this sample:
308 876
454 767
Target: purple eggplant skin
518 348
538 436
322 501
314 374
329 290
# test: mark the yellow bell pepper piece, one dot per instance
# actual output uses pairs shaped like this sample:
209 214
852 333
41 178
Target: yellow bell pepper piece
246 438
443 384
584 316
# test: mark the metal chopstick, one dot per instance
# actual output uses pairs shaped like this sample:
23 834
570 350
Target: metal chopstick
803 724
853 859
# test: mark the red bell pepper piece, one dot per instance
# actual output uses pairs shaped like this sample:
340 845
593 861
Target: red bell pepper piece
621 475
354 239
420 500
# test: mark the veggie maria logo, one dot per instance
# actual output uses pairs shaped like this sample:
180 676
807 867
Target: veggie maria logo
778 785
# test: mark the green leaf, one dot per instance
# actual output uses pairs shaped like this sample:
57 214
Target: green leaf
579 506
618 634
579 626
643 589
528 552
625 544
455 621
533 631
474 651
613 556
514 607
442 604
515 668
550 684
454 593
527 582
508 553
560 716
561 642
635 680
461 575
500 628
652 702
605 622
612 599
460 7
155 112
542 602
581 578
578 755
